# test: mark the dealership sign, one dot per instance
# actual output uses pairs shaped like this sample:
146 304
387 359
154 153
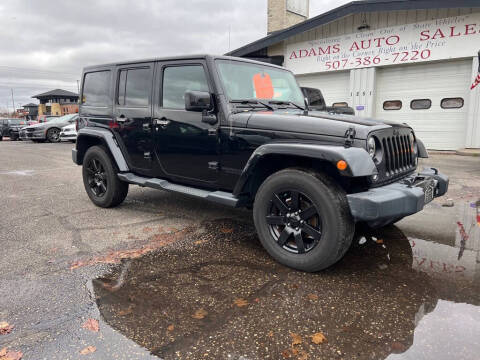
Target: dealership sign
439 39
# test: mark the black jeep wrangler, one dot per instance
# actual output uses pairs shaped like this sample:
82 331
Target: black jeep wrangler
239 133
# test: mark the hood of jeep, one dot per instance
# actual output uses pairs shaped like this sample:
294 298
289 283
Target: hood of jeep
316 122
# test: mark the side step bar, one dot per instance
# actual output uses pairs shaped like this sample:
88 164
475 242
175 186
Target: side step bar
220 197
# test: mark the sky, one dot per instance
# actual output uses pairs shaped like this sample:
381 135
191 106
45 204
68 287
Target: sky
46 43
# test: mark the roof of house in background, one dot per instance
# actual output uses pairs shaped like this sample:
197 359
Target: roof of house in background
30 105
353 7
56 93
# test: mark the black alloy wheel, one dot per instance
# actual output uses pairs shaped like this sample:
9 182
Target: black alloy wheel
53 135
96 177
100 178
294 221
303 219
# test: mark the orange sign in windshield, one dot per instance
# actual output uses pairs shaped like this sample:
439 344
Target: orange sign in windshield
263 86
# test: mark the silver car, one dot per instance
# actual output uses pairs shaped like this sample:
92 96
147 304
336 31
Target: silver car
69 133
49 130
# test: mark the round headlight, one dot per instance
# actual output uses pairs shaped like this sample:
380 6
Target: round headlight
371 148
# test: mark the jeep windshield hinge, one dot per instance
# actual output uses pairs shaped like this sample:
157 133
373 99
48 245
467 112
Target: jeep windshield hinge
349 136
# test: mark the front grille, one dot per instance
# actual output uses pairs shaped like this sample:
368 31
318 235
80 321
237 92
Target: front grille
30 130
399 158
398 154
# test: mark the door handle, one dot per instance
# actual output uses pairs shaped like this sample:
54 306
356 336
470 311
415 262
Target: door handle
161 122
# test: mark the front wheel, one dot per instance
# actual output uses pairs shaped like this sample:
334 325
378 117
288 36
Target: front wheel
100 179
303 219
53 135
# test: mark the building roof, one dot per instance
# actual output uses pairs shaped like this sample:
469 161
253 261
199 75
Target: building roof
30 105
353 7
56 93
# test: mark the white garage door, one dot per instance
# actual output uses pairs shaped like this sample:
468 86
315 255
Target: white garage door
429 97
335 86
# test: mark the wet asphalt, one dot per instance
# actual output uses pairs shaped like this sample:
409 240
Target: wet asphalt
172 277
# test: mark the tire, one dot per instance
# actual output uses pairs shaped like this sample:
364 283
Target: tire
100 178
53 135
327 229
1 137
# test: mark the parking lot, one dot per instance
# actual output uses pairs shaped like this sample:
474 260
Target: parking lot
173 277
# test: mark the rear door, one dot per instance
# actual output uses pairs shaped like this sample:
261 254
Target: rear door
133 114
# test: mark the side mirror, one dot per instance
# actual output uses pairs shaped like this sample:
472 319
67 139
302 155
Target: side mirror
197 101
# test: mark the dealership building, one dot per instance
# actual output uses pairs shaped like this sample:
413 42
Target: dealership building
412 61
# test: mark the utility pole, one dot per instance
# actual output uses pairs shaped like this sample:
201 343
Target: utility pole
13 103
78 86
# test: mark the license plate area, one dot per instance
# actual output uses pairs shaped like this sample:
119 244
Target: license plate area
428 185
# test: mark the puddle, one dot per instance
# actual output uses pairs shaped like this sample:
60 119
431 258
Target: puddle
219 296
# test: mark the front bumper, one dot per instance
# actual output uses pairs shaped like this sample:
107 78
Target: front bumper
39 134
68 136
392 202
75 157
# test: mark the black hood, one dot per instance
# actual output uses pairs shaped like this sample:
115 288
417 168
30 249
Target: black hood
316 122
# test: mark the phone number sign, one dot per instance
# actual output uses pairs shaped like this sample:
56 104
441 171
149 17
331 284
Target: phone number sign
439 39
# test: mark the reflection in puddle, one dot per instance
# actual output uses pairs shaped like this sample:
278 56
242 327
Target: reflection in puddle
392 296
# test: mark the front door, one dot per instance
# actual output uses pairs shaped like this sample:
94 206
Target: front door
133 115
186 147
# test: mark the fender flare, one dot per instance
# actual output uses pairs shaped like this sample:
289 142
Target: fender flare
359 161
107 137
422 150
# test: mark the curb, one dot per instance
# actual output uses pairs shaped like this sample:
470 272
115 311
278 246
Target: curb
468 152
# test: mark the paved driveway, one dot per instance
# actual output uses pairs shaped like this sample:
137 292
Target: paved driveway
173 277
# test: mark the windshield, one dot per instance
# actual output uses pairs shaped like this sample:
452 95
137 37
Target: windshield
61 119
16 122
246 81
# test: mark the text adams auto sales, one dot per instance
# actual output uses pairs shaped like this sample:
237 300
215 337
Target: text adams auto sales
426 41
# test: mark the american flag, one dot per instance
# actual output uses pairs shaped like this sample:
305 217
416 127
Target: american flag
477 79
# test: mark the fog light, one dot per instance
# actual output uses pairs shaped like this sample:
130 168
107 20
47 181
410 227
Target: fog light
375 177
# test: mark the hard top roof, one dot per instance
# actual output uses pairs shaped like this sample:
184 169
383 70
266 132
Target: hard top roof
174 58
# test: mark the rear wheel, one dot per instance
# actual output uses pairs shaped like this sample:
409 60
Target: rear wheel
303 219
100 178
53 135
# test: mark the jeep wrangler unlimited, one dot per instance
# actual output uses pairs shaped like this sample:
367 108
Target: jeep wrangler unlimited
239 133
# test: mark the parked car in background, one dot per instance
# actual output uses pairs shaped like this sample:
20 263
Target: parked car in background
49 130
69 133
41 119
11 127
316 101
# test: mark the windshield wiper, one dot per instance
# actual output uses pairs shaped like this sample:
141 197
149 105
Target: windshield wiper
252 101
285 102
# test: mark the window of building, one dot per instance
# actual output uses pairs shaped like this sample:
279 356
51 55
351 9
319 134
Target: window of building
340 104
452 103
96 88
134 87
177 80
420 104
392 105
